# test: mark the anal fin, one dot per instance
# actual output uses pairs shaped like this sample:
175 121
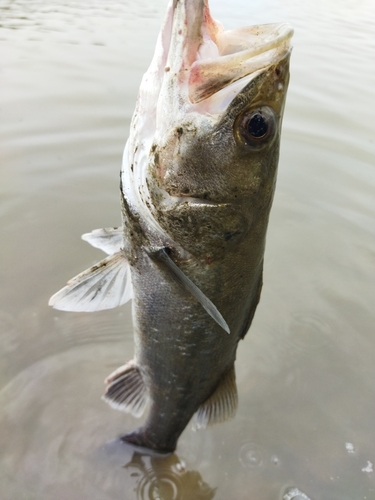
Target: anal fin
126 390
221 405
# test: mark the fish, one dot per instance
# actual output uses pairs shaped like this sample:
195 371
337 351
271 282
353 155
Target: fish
197 183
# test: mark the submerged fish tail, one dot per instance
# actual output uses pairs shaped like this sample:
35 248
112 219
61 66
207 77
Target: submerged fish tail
162 428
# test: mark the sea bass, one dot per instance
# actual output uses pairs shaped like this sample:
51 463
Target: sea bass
197 183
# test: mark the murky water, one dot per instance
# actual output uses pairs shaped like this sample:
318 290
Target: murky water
68 77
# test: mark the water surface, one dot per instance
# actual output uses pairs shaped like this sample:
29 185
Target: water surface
69 76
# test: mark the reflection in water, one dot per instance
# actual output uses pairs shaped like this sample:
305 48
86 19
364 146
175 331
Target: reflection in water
295 494
166 478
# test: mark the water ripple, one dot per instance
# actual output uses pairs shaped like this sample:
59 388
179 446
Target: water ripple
307 332
75 22
251 456
167 478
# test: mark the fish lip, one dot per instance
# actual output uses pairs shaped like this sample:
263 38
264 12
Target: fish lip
195 201
283 34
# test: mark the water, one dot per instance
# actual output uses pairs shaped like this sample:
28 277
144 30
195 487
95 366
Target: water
69 76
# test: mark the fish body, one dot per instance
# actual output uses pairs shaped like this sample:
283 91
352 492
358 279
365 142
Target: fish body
197 184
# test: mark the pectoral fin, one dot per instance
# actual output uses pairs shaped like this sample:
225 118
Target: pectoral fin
125 390
221 405
103 286
108 239
162 256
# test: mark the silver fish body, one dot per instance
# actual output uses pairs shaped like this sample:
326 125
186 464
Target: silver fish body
197 185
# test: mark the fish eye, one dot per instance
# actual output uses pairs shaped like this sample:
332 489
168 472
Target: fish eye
256 127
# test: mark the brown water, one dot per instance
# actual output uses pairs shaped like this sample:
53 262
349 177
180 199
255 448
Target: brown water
69 73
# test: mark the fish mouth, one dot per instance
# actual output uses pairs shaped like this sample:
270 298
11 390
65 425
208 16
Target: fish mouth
242 53
193 201
205 58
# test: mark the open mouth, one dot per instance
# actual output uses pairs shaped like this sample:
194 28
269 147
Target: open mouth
239 53
207 58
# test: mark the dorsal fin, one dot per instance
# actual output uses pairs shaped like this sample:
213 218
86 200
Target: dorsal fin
103 286
162 256
126 390
221 405
108 239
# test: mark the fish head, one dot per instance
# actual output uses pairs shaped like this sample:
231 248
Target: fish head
208 118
